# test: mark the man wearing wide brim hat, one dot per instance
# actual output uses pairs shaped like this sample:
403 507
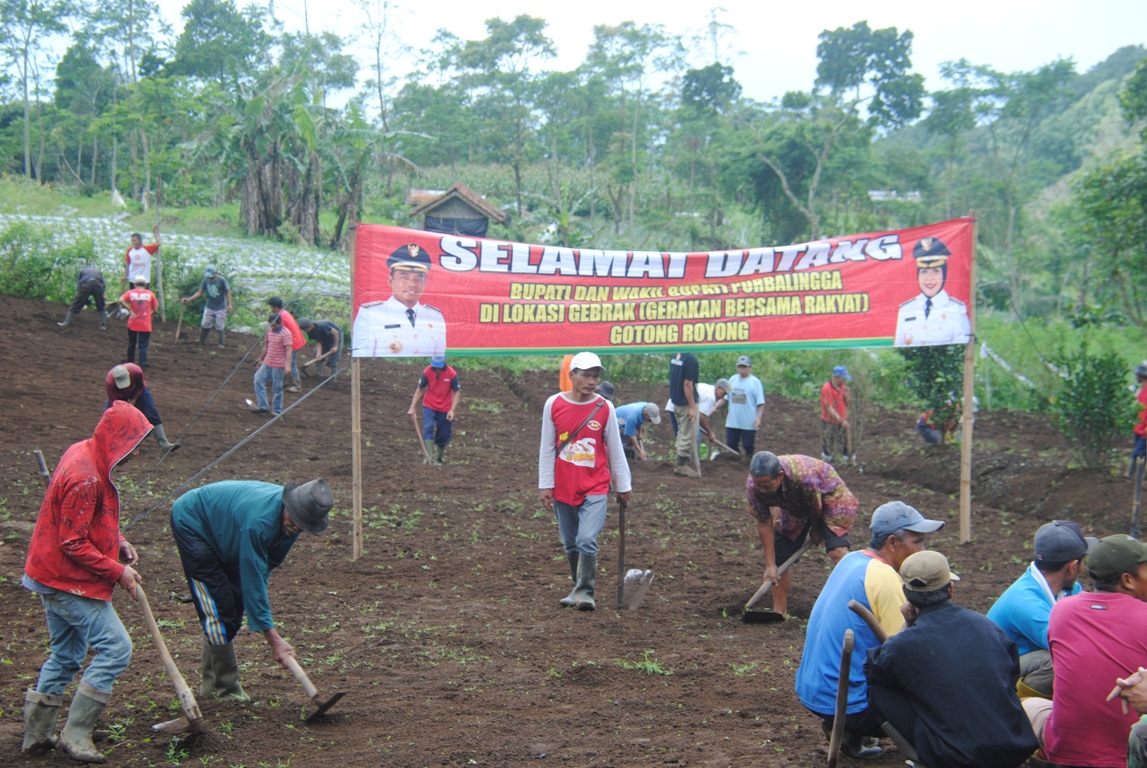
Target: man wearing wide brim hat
933 317
401 326
230 536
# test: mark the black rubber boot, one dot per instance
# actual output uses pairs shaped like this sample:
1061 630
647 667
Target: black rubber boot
203 335
429 452
586 574
220 344
161 438
76 738
67 319
568 601
439 452
206 671
40 712
103 321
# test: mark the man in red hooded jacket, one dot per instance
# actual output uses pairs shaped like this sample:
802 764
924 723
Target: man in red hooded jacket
73 566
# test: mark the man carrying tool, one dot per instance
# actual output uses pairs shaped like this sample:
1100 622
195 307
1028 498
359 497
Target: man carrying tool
89 285
1022 611
230 536
580 449
871 577
631 420
125 382
137 262
218 304
793 497
746 408
440 392
140 303
273 362
834 415
683 377
73 567
943 705
328 345
1095 638
298 340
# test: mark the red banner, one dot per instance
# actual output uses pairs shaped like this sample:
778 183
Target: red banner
475 296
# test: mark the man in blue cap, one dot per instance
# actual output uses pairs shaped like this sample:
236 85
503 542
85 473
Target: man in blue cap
933 317
401 326
440 393
218 305
1024 608
871 577
834 415
230 536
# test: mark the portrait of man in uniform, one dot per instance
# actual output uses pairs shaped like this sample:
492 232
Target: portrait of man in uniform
933 317
401 326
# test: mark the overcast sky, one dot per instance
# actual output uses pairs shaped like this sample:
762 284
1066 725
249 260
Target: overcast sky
773 44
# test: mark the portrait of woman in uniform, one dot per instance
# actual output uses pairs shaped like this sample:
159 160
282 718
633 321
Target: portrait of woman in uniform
933 317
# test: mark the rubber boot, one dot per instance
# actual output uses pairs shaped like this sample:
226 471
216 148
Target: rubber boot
67 319
203 335
76 738
568 601
856 747
161 438
40 712
906 749
206 670
685 467
103 321
439 452
586 574
220 344
429 451
226 669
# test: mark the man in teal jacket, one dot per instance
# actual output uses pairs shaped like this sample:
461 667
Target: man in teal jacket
230 536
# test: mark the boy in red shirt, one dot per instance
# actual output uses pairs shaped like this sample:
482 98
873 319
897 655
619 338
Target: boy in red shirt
581 447
1140 449
140 303
834 415
298 340
273 362
440 393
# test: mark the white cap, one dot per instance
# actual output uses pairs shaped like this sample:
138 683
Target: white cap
139 280
652 412
583 361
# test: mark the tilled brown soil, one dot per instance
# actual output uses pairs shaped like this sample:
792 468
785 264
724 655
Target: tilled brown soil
446 634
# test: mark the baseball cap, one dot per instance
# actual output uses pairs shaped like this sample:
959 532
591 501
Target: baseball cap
583 361
1061 541
652 413
122 377
896 515
926 571
744 360
842 372
438 362
209 270
1115 555
723 384
606 390
139 280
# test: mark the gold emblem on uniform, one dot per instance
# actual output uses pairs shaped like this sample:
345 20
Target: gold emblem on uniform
908 339
926 243
395 347
412 249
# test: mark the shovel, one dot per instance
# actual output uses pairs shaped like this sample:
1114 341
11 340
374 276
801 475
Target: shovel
311 691
771 617
630 590
192 720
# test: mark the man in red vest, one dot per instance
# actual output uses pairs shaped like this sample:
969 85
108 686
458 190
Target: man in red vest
140 303
440 393
581 447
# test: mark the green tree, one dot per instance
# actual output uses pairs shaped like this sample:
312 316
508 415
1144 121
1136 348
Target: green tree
219 42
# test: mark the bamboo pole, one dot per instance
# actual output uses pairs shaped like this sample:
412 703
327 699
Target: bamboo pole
355 406
159 261
969 404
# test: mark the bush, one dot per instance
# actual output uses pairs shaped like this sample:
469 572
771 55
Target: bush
936 375
1090 407
35 267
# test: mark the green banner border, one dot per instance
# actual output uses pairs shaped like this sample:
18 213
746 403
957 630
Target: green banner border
753 346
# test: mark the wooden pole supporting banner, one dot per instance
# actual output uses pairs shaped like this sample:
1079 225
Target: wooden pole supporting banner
355 407
969 405
159 261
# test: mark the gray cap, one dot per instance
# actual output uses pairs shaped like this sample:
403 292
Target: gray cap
209 270
652 413
744 360
723 384
1061 541
896 516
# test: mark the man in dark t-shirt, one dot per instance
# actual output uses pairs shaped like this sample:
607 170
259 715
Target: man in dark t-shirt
683 377
328 338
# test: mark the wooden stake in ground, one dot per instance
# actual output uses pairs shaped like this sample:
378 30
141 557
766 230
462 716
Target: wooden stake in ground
355 407
159 261
969 405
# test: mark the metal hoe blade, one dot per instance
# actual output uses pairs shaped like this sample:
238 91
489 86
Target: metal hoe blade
322 708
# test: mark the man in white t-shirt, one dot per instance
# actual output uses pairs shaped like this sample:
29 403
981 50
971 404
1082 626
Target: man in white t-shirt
710 397
138 260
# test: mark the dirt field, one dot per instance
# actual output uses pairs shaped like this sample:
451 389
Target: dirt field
446 634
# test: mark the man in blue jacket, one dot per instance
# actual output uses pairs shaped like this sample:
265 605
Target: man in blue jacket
1023 609
230 536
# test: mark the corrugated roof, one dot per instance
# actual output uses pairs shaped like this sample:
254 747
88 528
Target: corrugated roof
463 192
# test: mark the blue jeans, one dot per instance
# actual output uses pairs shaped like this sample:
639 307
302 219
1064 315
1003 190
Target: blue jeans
142 339
76 623
436 427
295 366
145 405
579 526
276 375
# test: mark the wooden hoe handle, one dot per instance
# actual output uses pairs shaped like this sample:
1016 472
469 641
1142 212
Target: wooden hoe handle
301 676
